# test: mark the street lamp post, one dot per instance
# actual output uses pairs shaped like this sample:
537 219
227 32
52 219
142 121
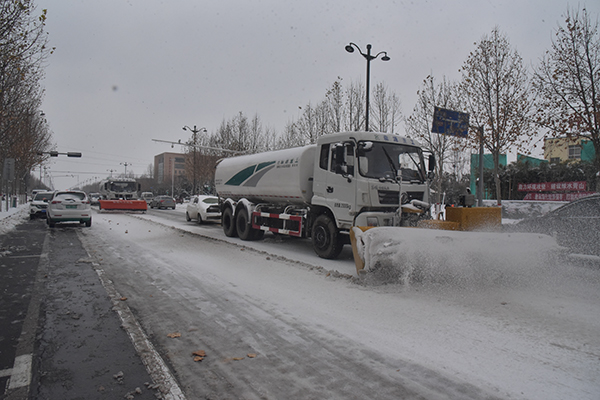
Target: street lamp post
368 57
126 164
194 145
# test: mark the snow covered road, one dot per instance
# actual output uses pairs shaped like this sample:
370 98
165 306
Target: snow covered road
320 334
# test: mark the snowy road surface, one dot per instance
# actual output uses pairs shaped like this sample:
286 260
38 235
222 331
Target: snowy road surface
319 334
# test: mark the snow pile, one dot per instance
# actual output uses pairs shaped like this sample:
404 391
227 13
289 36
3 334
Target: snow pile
14 216
411 255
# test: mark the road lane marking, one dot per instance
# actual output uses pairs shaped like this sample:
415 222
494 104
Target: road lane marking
21 372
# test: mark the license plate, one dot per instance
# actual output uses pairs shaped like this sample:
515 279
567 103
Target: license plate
71 207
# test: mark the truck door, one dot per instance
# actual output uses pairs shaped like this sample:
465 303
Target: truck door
341 182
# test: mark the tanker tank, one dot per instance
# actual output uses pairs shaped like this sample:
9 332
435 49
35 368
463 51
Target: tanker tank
282 176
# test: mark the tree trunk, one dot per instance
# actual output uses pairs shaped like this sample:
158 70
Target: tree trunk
497 178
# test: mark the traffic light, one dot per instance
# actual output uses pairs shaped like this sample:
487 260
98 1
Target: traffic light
73 154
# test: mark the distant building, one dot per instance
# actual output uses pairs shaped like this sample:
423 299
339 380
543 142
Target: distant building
534 162
568 149
168 166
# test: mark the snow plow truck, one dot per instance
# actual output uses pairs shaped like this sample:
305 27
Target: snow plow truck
121 194
322 190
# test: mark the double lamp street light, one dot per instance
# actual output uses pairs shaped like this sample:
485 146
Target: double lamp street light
368 57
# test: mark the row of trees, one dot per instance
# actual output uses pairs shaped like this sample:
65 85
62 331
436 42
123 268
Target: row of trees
24 132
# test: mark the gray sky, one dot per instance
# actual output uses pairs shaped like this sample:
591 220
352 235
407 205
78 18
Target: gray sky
125 72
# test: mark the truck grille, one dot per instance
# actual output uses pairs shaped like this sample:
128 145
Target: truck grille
388 197
391 197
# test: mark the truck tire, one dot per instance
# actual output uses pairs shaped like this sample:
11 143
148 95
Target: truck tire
228 223
326 238
244 228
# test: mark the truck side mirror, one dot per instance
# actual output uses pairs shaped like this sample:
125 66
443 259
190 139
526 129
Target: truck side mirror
363 148
431 163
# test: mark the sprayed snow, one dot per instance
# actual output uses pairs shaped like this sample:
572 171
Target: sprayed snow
407 255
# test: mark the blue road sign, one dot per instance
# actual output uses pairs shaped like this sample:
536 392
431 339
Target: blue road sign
448 122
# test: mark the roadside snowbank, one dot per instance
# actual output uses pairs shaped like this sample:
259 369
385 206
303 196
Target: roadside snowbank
13 217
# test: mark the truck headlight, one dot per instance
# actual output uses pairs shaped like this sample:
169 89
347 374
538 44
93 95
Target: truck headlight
372 221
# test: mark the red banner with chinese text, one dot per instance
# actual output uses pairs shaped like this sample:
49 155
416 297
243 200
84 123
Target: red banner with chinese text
553 187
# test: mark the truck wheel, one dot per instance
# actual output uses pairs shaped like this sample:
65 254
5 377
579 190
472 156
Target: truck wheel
242 223
326 238
228 223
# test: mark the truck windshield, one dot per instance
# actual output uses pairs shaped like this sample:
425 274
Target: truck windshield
373 161
121 187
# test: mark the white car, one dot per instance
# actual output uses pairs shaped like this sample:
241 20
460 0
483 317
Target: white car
203 208
69 206
39 204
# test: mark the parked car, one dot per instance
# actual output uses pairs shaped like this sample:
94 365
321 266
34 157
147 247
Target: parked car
163 202
575 225
69 206
203 208
39 205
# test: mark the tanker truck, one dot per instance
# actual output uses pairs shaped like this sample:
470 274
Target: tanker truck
322 190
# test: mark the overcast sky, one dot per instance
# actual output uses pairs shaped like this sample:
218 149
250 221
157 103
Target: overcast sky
125 72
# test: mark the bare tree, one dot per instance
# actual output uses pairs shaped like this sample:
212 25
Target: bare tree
496 86
355 105
568 82
335 105
386 109
419 124
290 137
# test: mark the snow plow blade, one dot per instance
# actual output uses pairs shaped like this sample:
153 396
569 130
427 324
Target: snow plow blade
128 205
446 251
409 255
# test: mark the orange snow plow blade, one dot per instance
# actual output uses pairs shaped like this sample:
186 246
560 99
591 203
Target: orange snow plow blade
132 205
